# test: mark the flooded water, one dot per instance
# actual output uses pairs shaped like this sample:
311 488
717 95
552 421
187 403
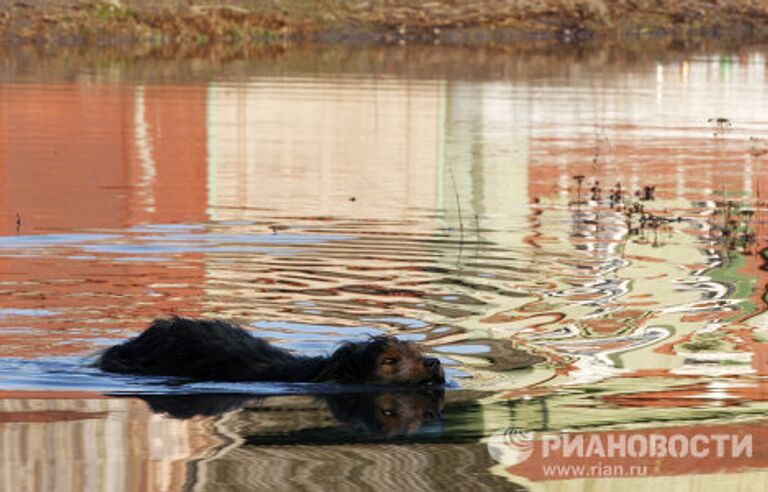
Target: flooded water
603 208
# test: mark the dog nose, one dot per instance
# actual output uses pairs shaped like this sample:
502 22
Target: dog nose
431 362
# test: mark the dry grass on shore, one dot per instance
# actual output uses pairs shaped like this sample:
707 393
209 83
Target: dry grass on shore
375 20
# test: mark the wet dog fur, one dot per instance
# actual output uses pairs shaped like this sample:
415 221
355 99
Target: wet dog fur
216 350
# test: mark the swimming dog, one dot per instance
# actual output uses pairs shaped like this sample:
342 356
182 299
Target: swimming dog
216 350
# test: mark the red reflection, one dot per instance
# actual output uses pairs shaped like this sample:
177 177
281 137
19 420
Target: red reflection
85 156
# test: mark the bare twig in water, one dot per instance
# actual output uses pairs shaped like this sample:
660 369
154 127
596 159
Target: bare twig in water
579 179
458 207
458 203
477 236
600 137
760 216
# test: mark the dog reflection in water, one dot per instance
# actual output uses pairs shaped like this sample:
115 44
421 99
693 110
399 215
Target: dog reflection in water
215 350
386 414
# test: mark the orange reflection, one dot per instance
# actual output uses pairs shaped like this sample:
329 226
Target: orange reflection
85 156
80 156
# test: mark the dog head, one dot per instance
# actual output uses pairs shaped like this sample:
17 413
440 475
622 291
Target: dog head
383 360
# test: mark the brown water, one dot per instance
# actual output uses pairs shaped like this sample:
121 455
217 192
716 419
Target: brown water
323 195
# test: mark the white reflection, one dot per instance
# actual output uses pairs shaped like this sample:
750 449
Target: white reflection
144 150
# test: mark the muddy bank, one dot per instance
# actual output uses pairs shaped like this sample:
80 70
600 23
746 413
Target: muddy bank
393 21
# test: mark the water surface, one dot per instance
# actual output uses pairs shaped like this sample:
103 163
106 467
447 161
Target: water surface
316 196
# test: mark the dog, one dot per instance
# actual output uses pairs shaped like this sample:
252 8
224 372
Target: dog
216 350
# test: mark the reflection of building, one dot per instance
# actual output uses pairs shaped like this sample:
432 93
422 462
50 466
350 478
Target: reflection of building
619 133
169 155
294 442
484 153
75 157
669 139
91 128
308 147
79 156
622 132
333 148
94 444
665 140
416 467
87 443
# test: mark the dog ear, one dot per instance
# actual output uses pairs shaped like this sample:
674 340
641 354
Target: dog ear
344 366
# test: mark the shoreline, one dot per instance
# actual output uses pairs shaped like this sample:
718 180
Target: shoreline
486 22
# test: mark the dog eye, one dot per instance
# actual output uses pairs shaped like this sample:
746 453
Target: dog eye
387 412
389 361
